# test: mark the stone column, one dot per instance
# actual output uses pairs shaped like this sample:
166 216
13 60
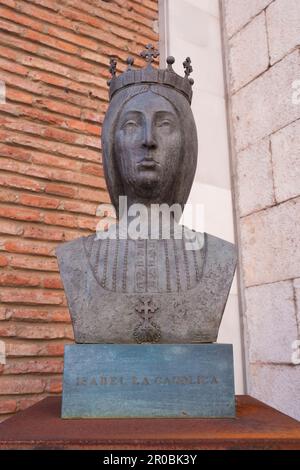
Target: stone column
262 39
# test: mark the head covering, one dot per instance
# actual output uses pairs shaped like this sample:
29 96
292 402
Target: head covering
189 150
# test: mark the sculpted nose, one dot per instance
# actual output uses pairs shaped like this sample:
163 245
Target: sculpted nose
149 138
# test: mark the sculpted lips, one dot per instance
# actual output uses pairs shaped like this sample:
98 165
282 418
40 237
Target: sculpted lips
148 164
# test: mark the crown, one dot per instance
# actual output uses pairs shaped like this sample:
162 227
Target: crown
149 74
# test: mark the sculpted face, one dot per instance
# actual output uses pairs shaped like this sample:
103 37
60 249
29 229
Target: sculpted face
148 143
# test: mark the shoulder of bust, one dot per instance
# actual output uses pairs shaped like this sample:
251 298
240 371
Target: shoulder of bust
72 245
217 242
72 252
221 251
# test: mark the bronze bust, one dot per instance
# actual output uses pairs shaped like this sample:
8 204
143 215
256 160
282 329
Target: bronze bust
126 289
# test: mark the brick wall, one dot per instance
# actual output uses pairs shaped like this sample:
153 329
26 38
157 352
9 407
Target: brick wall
262 39
53 60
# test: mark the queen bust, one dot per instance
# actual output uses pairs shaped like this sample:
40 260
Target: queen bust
162 286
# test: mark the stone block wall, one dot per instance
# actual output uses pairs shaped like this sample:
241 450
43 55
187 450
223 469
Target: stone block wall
54 59
262 44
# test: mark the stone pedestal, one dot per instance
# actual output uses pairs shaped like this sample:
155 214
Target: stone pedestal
148 381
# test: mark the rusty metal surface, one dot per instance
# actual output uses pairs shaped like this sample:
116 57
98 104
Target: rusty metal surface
257 426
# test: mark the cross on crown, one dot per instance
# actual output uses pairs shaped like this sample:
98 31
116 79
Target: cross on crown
150 53
187 66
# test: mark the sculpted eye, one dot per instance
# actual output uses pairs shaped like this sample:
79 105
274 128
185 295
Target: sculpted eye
164 123
130 124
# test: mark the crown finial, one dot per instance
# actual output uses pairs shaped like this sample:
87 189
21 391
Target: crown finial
130 62
170 62
187 65
150 53
112 66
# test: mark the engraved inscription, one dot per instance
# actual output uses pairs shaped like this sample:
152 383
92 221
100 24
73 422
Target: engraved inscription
143 380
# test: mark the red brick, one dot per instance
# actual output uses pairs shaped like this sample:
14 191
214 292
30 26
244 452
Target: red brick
9 278
11 27
53 59
38 331
7 195
50 4
54 385
51 132
22 385
42 64
19 96
50 41
22 349
30 296
86 180
16 181
69 333
63 58
82 127
30 247
57 80
61 219
92 169
39 201
43 233
8 406
36 114
58 147
44 15
21 366
89 194
60 189
152 14
53 160
13 67
45 316
38 263
3 260
114 15
10 227
15 17
3 315
52 282
88 115
19 349
73 38
50 233
88 222
7 329
53 349
15 153
93 56
19 213
38 88
77 206
16 42
57 107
